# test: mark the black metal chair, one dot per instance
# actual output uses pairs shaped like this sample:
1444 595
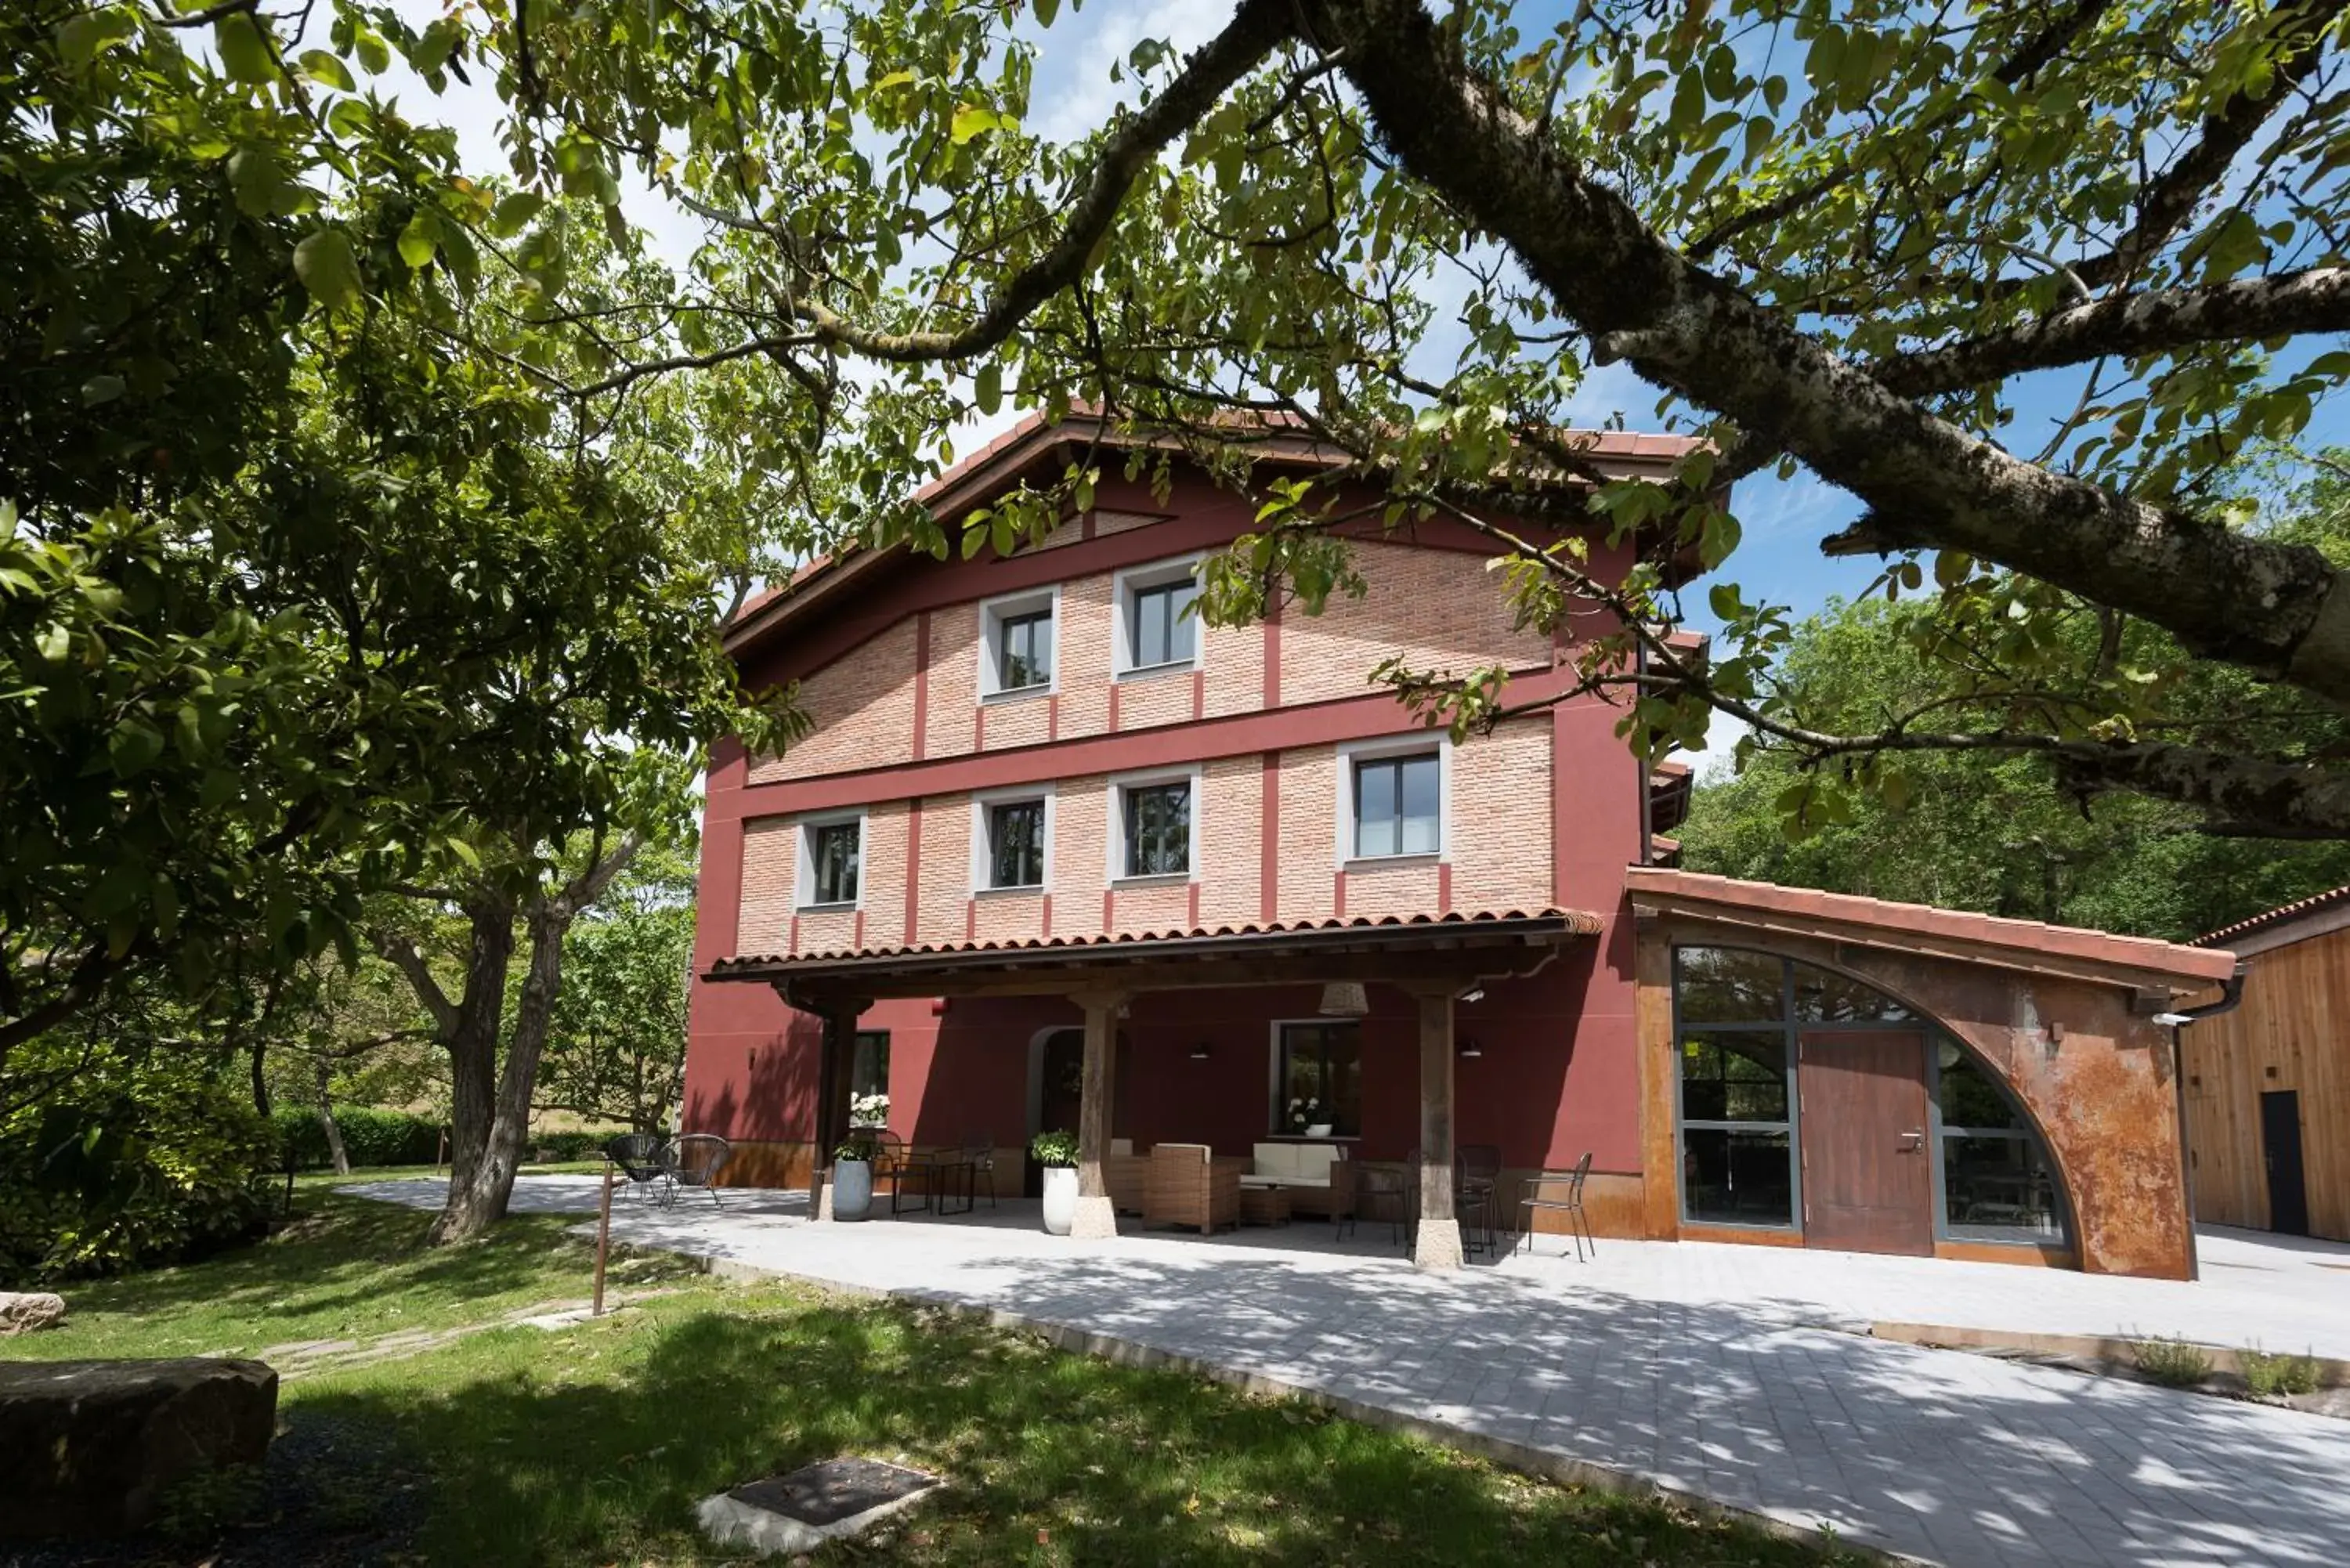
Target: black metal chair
694 1160
1476 1195
1382 1192
639 1156
979 1159
1531 1201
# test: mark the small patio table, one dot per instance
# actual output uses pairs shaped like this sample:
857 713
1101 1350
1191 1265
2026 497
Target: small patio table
1263 1203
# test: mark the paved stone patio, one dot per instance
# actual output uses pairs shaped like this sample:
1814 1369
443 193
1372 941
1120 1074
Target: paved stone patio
1718 1371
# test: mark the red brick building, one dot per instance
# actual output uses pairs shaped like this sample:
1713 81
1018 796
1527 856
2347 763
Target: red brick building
1057 855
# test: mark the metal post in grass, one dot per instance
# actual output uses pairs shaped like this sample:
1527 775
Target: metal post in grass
603 1234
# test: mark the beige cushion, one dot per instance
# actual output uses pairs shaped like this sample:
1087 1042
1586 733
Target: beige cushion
1199 1152
1312 1162
1121 1146
1273 1159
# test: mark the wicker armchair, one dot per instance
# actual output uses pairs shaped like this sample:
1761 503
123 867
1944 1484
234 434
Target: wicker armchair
1127 1175
1188 1185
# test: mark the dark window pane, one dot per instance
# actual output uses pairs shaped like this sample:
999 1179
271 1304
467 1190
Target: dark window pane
1321 1078
2000 1190
1016 845
1158 830
1822 997
1727 985
1160 631
1375 808
1968 1098
834 852
1027 652
1737 1177
1735 1076
870 1074
1419 804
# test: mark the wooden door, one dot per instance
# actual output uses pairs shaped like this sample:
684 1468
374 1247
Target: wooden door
2281 1152
1867 1187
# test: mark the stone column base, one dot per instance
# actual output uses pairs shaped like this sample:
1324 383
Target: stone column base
1096 1221
1437 1245
824 1201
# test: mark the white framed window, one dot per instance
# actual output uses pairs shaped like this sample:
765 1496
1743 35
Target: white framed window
1395 798
1011 840
831 861
1157 625
1017 635
1154 827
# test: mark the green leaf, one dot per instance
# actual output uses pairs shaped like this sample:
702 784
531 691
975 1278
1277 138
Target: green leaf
421 238
243 51
256 180
322 66
374 54
328 267
515 211
132 746
101 389
55 642
989 387
972 120
79 39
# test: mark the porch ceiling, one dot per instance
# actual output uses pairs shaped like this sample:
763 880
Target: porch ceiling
1423 950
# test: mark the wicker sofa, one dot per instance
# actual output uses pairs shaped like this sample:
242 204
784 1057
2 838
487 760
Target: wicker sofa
1188 1185
1318 1176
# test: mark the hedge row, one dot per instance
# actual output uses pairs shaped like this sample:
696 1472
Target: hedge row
374 1137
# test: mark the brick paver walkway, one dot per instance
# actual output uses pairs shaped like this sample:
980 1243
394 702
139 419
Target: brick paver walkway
1963 1460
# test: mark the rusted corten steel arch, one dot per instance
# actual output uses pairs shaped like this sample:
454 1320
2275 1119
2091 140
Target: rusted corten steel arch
2071 1023
1433 960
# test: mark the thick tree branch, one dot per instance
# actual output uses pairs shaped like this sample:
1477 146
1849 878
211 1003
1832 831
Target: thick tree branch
404 955
2246 309
2273 608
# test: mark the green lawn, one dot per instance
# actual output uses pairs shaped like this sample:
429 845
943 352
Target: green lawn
590 1446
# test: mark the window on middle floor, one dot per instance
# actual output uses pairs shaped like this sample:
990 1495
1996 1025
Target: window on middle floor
834 853
1025 654
1158 627
1015 844
1396 805
1158 829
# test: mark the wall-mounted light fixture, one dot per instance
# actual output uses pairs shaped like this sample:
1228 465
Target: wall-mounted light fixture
1468 1048
1474 993
1200 1051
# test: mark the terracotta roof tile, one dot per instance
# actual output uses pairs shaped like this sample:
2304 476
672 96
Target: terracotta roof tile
2022 938
2279 916
1580 922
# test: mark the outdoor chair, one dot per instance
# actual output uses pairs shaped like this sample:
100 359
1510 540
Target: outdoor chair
979 1157
1188 1186
896 1164
639 1157
1476 1192
1381 1193
1127 1175
695 1160
1540 1196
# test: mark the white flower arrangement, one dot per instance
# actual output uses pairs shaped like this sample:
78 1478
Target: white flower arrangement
868 1110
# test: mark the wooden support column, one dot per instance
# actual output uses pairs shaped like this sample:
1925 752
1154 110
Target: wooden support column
1437 1242
1096 1219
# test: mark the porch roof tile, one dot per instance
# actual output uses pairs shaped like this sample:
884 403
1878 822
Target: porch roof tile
1886 923
1571 922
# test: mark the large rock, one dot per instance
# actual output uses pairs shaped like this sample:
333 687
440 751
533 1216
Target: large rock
21 1311
90 1447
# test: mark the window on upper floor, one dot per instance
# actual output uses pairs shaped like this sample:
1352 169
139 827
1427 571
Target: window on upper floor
1016 643
1398 805
1158 818
1015 844
1159 629
831 857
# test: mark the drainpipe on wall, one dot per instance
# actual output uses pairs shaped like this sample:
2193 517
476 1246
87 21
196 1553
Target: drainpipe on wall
2231 996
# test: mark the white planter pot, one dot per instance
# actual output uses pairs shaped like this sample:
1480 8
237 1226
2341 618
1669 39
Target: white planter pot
1060 1199
852 1188
1319 1129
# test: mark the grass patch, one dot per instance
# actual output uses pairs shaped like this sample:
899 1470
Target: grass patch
2268 1375
591 1446
2173 1363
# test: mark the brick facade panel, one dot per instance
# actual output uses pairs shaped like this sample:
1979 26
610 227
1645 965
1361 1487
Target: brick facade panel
1150 700
1308 799
1165 906
1231 837
953 691
1079 858
1082 648
1403 888
1231 665
862 708
1008 917
1018 722
770 845
1441 609
945 893
1500 837
830 931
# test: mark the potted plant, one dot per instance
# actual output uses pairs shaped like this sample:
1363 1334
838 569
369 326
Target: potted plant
1058 1153
852 1179
1308 1117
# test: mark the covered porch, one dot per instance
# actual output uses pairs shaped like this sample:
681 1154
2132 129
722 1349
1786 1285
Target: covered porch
1431 963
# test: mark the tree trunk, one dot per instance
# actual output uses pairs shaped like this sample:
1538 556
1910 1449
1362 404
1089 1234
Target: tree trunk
260 1084
477 1197
335 1153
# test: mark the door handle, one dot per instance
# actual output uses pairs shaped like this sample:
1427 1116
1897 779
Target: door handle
1913 1141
